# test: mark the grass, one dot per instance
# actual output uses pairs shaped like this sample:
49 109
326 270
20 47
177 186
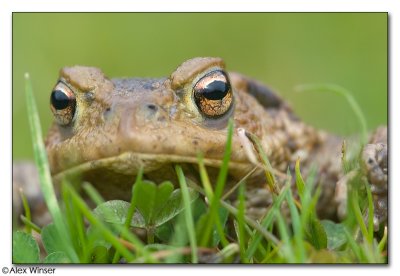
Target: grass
349 99
188 214
195 223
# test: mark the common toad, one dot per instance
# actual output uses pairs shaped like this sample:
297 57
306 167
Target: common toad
106 129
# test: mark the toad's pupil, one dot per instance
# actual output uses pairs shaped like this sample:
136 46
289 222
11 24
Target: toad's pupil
215 90
59 100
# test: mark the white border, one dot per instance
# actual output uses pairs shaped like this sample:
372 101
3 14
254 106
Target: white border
9 6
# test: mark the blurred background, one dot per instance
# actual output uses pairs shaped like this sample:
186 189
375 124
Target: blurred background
283 50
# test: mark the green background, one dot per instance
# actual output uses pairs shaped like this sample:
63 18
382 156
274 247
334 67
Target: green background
282 50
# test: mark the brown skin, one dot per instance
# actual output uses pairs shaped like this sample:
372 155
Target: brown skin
120 125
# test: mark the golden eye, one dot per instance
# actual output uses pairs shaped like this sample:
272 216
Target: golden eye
213 94
63 104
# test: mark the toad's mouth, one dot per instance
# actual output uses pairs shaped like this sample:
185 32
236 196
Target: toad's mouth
129 164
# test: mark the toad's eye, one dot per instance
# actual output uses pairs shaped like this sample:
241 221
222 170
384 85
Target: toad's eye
63 104
213 94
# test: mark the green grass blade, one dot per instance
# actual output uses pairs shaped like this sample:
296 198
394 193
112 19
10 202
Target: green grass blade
353 245
69 216
382 243
299 180
297 228
269 172
76 226
228 251
309 200
108 235
44 170
221 179
359 216
131 210
349 98
33 226
287 248
267 235
210 194
232 210
188 213
220 231
27 210
205 181
178 239
80 230
370 213
270 255
132 206
238 184
223 173
93 194
266 222
308 210
241 229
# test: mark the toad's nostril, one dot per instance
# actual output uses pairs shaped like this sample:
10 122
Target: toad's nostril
107 113
152 107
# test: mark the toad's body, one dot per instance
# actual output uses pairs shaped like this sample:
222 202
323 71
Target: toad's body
107 129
